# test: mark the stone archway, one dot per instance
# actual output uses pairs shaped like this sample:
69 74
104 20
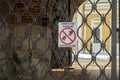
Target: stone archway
24 20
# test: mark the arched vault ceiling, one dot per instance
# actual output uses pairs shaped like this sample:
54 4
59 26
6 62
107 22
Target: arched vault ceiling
4 6
8 6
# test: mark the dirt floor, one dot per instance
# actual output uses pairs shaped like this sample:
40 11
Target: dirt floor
75 73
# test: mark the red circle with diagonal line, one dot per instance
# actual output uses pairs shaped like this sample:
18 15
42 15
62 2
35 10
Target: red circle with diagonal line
66 35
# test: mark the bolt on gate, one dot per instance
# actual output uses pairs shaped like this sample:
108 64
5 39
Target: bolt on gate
29 40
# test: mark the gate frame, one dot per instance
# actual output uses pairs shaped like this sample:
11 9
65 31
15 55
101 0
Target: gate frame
113 47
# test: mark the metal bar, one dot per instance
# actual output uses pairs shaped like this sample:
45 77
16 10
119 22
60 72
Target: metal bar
118 29
69 7
113 47
119 53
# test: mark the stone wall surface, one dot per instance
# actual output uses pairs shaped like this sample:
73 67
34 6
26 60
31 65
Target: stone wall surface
32 30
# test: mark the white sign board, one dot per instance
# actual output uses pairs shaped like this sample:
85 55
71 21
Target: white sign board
67 34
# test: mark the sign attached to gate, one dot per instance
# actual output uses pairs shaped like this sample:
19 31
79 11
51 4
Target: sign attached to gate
67 34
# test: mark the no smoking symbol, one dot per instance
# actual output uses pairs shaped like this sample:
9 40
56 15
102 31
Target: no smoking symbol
67 36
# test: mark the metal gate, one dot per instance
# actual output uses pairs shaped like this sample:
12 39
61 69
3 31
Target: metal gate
29 40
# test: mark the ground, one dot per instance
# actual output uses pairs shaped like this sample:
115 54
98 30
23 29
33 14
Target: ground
74 72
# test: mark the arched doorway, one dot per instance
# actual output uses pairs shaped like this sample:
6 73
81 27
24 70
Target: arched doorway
28 39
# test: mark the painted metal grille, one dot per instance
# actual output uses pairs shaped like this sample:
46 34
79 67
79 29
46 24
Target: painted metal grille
29 40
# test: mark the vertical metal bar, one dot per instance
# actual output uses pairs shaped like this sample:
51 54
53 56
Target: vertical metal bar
113 47
69 9
118 30
69 3
119 53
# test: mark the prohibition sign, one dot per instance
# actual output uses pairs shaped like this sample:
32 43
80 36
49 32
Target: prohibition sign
67 36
